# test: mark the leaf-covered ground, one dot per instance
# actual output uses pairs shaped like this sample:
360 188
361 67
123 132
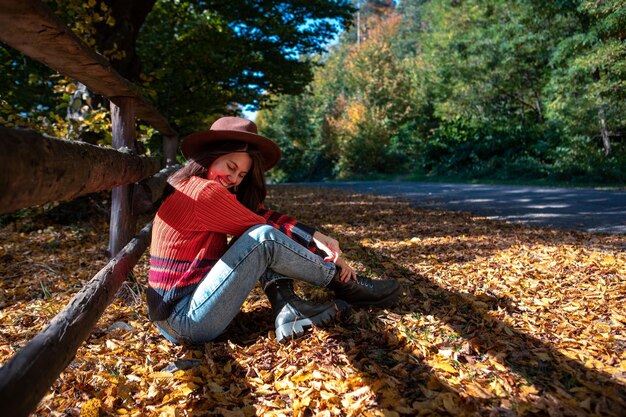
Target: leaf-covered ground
496 320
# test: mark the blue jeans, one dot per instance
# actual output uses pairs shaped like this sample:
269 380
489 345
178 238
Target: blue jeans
261 252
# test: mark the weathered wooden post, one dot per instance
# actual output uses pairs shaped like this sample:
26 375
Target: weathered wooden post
170 146
122 225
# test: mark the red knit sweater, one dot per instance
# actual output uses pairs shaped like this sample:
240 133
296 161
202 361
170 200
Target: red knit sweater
190 233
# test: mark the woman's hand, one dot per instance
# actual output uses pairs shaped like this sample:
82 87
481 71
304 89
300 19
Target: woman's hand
328 245
347 273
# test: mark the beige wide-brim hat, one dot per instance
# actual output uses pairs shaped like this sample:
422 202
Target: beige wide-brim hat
232 128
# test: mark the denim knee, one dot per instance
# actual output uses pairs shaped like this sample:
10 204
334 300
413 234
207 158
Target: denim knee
262 232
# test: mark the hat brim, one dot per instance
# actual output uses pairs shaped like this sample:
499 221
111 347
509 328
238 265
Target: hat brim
195 143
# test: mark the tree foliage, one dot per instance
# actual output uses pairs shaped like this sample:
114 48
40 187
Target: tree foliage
194 59
480 88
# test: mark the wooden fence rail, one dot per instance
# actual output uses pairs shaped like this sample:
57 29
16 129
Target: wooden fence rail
28 375
149 191
37 169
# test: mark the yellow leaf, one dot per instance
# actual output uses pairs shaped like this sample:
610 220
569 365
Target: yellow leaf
326 395
284 384
618 317
433 383
476 390
91 408
153 392
445 366
529 390
360 391
301 403
187 388
608 260
161 375
332 385
301 376
497 389
572 307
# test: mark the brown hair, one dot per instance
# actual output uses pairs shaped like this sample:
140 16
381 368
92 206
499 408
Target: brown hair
250 192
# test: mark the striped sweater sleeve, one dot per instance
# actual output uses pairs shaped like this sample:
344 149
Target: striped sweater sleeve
299 232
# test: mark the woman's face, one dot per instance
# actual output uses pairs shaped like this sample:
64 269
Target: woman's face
230 169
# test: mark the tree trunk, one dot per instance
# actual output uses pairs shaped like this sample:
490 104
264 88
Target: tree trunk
606 141
538 106
122 36
28 375
38 169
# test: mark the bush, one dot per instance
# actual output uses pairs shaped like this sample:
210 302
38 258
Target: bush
480 149
580 159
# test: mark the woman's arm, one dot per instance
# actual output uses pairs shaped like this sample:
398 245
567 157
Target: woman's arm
333 251
299 232
328 245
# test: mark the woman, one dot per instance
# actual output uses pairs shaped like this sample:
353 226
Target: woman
198 281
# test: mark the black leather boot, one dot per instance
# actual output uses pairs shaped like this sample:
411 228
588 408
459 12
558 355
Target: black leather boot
365 292
293 315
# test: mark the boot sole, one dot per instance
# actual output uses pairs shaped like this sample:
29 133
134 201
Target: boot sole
299 327
383 302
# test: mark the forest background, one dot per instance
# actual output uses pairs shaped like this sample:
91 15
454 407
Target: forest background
486 89
491 89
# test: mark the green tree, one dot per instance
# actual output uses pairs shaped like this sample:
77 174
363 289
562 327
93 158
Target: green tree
198 58
490 58
256 50
362 105
587 88
292 124
375 105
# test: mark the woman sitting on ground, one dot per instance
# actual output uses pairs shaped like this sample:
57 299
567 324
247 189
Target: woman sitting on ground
198 281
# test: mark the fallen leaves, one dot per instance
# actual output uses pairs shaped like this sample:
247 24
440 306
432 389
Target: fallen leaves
496 319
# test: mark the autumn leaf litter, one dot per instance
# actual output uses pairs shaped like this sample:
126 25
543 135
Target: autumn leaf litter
496 320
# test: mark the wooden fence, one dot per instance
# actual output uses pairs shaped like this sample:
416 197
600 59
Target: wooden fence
38 169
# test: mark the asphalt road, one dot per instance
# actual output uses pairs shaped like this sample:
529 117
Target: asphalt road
564 208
